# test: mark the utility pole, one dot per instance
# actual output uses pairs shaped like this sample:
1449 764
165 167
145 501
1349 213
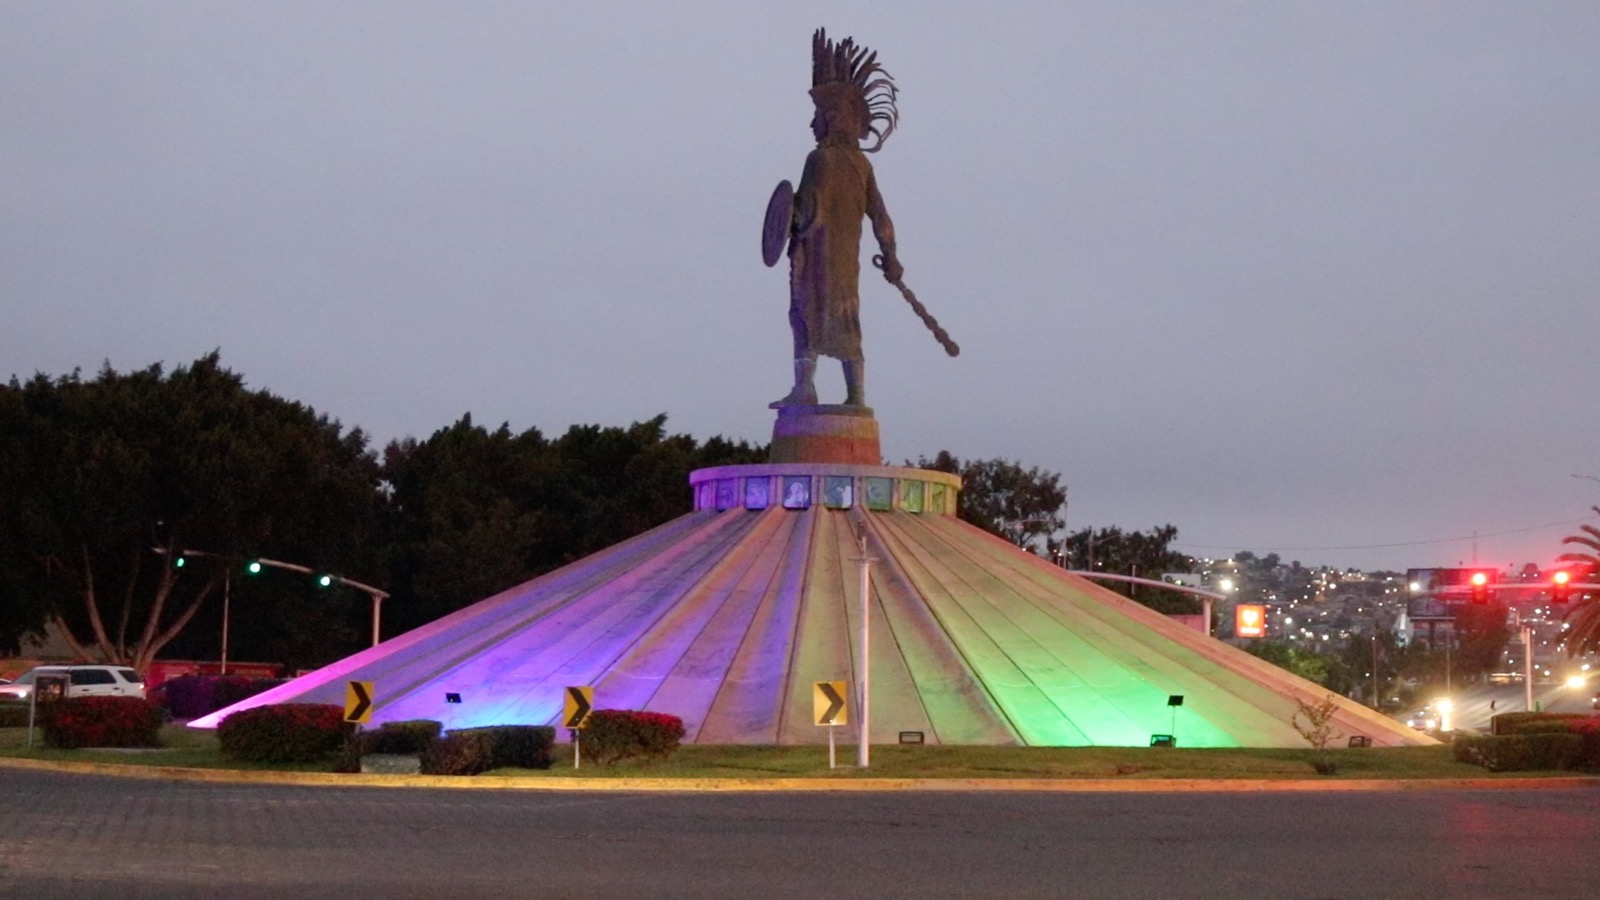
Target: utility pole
1377 701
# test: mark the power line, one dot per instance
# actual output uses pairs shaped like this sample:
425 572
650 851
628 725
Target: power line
1450 540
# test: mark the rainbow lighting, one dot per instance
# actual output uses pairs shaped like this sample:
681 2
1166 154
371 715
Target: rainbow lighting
727 615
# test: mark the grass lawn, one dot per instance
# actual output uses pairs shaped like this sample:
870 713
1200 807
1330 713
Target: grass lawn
198 749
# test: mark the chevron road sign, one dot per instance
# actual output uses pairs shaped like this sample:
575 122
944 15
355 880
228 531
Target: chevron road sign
358 702
580 700
828 703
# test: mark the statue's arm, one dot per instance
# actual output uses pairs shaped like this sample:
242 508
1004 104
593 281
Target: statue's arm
883 230
805 200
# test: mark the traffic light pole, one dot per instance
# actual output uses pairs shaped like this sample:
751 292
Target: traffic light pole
377 595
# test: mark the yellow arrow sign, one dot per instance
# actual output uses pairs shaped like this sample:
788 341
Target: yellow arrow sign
576 713
828 703
358 701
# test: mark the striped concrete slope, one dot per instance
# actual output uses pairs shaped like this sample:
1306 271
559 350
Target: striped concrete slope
727 618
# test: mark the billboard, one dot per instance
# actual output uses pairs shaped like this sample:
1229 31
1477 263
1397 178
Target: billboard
1433 591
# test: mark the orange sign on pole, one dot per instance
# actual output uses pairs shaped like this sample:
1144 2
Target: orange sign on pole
1249 620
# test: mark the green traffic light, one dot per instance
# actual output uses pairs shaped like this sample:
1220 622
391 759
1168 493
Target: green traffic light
324 580
253 567
179 563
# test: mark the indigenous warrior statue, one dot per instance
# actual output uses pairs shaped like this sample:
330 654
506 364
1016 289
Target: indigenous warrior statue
821 221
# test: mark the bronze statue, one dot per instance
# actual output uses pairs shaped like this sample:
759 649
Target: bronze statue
855 101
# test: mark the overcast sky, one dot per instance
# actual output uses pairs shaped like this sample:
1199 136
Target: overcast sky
1318 278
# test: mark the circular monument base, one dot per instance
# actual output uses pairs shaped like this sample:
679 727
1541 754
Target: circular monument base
799 486
841 435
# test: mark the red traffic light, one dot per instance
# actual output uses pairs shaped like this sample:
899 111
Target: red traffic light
1480 587
1558 590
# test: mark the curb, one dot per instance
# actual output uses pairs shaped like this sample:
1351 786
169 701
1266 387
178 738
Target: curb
805 785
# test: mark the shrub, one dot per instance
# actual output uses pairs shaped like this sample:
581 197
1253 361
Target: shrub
193 696
407 736
13 714
612 735
1520 752
1586 728
226 690
472 751
286 732
101 722
1522 722
468 752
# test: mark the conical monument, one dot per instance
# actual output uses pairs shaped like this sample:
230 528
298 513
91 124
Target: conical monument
783 573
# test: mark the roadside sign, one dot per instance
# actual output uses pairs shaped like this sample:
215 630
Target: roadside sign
580 700
828 703
358 702
1250 620
828 708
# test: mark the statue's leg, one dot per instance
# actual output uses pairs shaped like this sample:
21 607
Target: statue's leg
855 382
804 392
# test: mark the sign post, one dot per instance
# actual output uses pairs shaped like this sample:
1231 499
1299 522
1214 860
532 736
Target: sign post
47 688
575 716
830 709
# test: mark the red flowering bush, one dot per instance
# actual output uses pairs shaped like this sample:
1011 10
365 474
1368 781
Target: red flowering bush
101 722
612 735
285 732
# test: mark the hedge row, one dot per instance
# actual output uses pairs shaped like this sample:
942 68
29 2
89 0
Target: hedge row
466 751
1526 742
472 751
13 714
285 732
613 735
1537 722
100 722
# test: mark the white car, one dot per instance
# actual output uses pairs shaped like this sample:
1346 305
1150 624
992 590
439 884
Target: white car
85 681
1424 720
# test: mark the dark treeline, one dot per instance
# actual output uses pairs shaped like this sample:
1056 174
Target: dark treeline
104 482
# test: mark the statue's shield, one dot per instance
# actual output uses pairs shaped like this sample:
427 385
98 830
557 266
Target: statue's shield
775 230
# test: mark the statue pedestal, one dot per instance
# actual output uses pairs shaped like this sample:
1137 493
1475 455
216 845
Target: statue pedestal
845 435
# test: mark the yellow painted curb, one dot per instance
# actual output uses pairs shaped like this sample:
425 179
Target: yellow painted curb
810 785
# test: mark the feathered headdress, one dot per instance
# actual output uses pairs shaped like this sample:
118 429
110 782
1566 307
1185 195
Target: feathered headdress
855 74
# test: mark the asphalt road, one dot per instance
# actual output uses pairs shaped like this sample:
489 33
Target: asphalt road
1476 704
76 836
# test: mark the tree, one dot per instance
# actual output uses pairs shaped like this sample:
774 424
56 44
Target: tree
98 474
1135 553
1583 631
1481 636
1308 664
473 512
1024 506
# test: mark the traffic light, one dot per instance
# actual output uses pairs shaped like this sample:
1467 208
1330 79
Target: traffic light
253 567
1558 589
179 563
1480 587
324 580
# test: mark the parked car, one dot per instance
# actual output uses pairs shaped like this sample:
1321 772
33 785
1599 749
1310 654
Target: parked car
85 681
